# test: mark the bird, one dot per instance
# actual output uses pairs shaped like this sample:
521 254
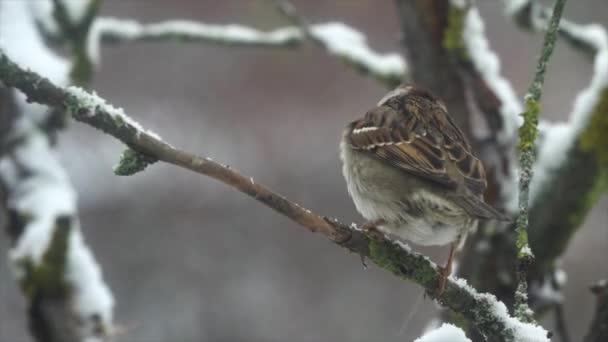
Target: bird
411 174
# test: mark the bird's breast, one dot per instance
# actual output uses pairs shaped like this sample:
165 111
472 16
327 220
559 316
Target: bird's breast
411 211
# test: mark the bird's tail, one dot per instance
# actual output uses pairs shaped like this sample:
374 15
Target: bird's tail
476 207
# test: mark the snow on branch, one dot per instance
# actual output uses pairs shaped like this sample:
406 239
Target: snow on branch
349 45
466 38
560 138
527 142
342 41
487 63
67 297
531 15
484 310
572 159
52 263
447 332
68 22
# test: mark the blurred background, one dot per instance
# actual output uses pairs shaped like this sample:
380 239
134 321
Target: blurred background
189 259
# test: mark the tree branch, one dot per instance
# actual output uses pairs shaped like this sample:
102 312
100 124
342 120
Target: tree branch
60 279
598 331
561 324
75 30
489 315
67 298
339 40
424 25
527 141
572 166
531 15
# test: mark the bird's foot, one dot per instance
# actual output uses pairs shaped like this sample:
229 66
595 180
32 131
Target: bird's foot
444 273
370 228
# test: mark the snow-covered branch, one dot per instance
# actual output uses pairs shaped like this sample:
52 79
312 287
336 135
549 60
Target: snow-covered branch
446 332
68 22
494 95
341 41
348 45
67 297
532 15
488 314
527 157
572 166
471 38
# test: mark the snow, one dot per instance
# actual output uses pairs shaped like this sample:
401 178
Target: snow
522 332
36 183
43 193
125 29
339 39
431 325
546 293
92 296
43 197
561 277
514 6
403 246
42 10
76 9
16 23
95 104
344 41
20 40
447 332
560 138
526 251
487 64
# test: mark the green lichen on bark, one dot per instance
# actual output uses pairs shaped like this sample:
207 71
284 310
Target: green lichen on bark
452 36
521 243
595 138
391 256
90 110
578 214
132 162
529 130
48 276
527 140
594 141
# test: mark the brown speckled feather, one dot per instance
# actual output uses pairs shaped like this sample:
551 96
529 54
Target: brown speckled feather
414 132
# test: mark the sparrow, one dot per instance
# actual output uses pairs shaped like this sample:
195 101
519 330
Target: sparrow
411 174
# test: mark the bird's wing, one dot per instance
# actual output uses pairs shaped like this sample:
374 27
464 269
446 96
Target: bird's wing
437 152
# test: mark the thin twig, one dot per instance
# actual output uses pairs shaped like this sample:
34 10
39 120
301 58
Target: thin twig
527 138
561 324
288 10
333 45
533 16
598 331
76 32
338 40
489 315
